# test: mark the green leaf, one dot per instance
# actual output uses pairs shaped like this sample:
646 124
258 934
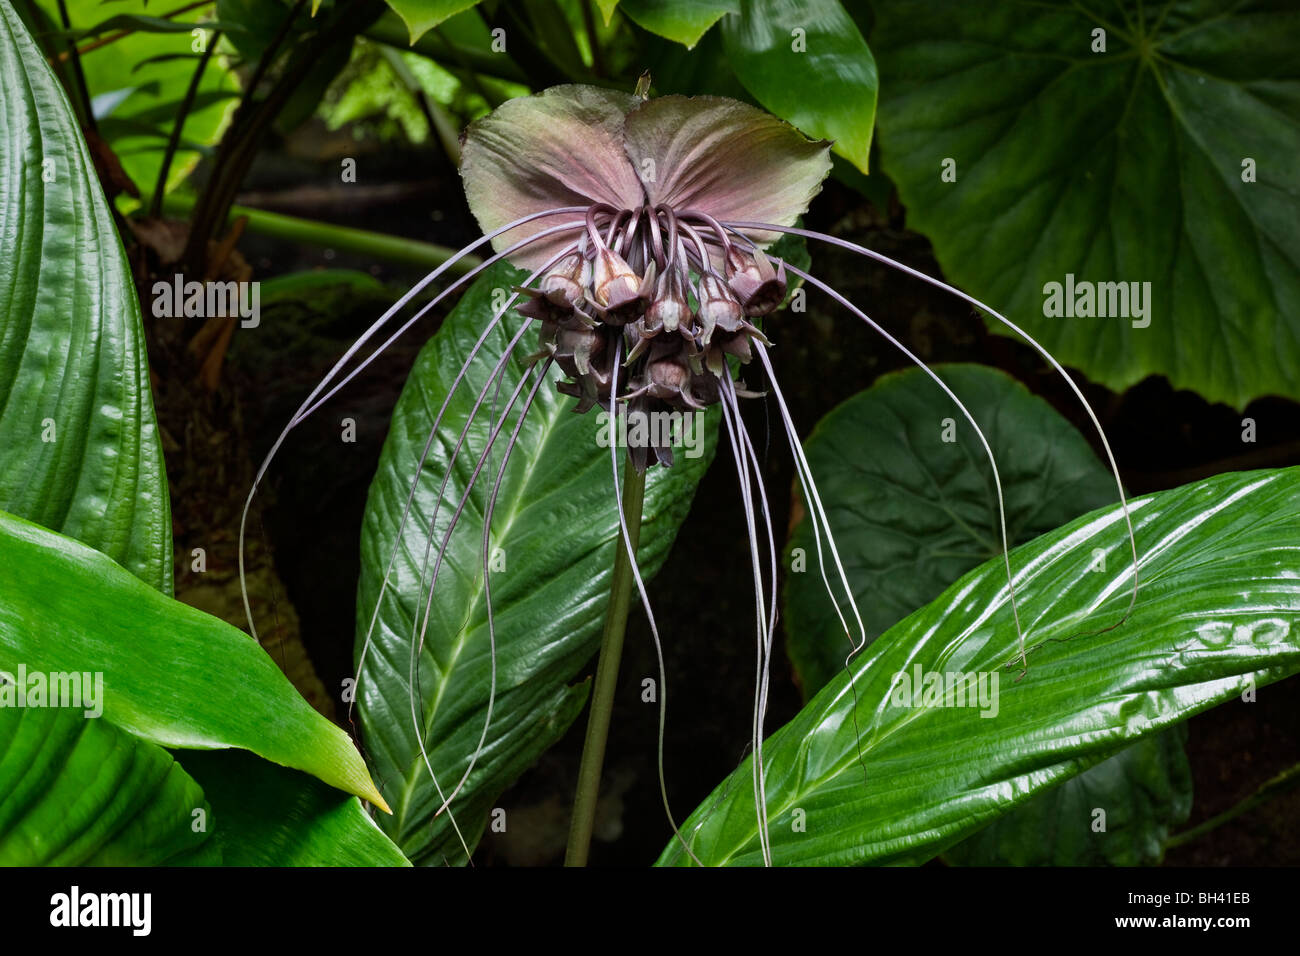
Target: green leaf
77 791
607 8
421 16
556 524
81 451
113 67
683 21
806 61
172 675
140 23
265 815
1123 166
1145 791
1218 611
910 496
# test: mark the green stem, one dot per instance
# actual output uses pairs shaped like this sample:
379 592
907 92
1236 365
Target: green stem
1288 779
361 241
82 91
174 139
602 694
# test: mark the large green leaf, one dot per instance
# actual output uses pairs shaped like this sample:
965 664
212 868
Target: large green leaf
910 494
172 675
1118 813
683 21
266 815
79 448
806 61
556 523
1122 166
160 83
1218 612
80 792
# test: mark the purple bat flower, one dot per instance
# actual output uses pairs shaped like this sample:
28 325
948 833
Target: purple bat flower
642 223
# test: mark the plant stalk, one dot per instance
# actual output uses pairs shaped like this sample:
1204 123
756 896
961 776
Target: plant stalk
1288 779
174 139
602 693
395 249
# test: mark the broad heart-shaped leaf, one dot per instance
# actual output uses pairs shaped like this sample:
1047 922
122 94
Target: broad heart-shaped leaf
79 448
898 779
421 16
172 675
823 79
266 815
1168 159
910 495
77 791
911 500
555 525
1144 790
683 21
158 88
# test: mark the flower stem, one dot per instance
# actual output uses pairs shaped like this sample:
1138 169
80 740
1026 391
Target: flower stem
602 694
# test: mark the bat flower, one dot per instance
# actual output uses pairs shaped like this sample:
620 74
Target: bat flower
643 223
649 278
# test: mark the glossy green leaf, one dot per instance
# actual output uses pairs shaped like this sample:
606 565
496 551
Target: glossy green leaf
172 675
266 815
77 428
910 494
878 781
77 791
806 61
683 21
555 525
1168 159
1144 791
113 67
421 16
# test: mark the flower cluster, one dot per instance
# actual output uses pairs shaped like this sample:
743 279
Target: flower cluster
676 317
644 299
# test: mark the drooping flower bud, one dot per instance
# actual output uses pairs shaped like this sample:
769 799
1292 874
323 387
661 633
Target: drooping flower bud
616 288
719 307
758 286
564 285
538 306
575 348
670 309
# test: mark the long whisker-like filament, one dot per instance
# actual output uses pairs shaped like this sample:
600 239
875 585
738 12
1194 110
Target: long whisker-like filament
997 481
820 522
417 647
428 446
542 369
626 538
988 451
1051 360
307 407
766 623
